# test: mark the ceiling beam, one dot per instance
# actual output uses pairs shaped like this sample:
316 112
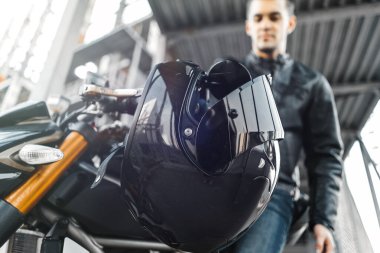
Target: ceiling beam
335 13
207 31
344 89
344 12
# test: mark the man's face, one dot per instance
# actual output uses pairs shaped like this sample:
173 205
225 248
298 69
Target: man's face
268 25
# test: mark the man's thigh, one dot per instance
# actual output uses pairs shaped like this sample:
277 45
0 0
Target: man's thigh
269 233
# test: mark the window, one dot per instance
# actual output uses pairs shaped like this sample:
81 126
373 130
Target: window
357 178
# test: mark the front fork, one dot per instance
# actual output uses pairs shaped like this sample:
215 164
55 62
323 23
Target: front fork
18 203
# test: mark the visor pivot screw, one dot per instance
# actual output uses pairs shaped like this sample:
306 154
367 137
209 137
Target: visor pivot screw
188 132
233 113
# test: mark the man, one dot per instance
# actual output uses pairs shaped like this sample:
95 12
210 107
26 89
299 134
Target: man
307 110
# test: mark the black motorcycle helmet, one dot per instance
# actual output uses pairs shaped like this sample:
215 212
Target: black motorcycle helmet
201 159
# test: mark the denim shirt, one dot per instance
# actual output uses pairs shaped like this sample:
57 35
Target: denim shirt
306 106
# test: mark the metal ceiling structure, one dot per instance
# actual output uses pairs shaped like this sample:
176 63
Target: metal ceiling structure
340 38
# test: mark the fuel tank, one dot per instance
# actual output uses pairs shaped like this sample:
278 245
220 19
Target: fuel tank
101 211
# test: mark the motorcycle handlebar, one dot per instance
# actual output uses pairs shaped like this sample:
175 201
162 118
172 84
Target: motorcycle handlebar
94 91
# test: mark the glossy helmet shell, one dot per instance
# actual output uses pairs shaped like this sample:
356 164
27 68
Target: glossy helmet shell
201 159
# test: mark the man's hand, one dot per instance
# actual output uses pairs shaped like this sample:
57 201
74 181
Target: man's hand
324 242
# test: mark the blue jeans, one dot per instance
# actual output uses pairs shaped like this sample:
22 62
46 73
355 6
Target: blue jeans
269 233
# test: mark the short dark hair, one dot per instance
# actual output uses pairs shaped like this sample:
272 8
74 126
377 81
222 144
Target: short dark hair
289 4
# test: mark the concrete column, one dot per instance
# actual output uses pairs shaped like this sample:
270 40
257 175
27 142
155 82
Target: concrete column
53 76
134 67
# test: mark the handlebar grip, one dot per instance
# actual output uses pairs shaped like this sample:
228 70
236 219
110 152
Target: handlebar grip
127 105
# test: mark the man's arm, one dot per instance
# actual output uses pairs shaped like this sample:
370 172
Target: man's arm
323 148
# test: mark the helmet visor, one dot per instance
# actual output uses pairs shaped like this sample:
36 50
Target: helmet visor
239 114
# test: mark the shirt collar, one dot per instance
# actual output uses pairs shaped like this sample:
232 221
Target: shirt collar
280 68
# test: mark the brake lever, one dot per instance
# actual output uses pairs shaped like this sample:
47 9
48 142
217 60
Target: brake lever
94 91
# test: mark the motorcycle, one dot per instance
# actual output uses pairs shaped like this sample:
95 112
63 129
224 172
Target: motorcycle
46 195
60 174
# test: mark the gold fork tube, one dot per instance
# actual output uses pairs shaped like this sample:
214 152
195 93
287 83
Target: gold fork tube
26 196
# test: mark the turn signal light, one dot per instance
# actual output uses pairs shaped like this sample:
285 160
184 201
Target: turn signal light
37 154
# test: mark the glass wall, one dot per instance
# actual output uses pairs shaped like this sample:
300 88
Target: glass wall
27 29
108 14
359 181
